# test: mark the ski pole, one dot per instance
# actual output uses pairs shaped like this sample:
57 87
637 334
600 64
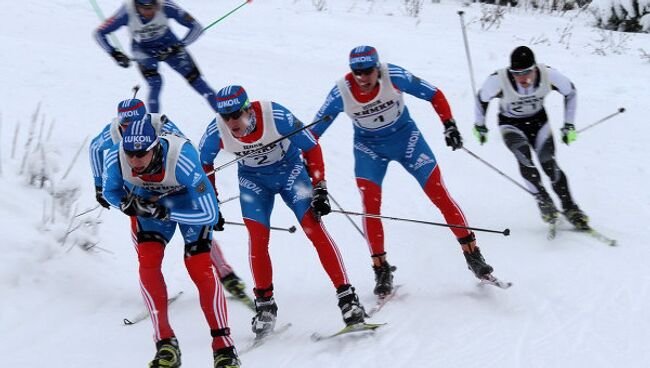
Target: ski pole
291 229
469 57
498 171
347 216
270 144
101 17
227 14
619 111
229 199
87 211
505 232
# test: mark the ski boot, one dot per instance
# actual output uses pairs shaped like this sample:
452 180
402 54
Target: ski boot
476 262
547 208
264 320
226 358
383 279
352 311
577 218
168 354
236 287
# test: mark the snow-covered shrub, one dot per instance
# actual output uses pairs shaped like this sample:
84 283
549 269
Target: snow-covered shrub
491 16
320 5
622 15
609 42
413 7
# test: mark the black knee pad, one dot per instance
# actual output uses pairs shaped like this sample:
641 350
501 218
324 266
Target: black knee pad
149 73
150 236
197 247
193 75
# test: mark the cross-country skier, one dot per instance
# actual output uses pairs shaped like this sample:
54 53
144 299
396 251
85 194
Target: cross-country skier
158 181
523 122
372 95
246 128
154 42
133 110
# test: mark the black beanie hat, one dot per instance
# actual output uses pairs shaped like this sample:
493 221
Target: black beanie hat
522 58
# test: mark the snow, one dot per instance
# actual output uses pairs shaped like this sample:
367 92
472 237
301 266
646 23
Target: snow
575 302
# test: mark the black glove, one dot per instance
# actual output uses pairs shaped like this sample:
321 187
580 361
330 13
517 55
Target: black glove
99 196
163 54
320 204
133 205
219 225
452 135
122 60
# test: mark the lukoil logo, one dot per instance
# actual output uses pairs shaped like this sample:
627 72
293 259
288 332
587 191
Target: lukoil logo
129 114
228 103
361 59
137 139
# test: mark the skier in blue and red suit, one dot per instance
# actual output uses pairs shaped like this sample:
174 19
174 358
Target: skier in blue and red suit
372 95
242 128
153 42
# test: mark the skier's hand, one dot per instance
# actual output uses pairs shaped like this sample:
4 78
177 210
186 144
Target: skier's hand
134 205
165 53
452 135
219 225
99 196
122 60
481 133
569 133
320 204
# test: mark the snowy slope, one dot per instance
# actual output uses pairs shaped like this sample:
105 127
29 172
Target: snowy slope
575 302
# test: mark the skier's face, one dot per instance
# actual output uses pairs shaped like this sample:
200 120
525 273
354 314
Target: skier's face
237 122
366 79
525 79
139 161
147 11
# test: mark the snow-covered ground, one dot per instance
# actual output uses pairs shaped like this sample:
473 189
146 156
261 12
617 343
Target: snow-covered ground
575 302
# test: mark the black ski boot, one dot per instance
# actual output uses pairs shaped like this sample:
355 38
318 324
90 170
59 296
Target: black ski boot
476 263
264 320
577 218
168 354
384 279
236 287
547 208
226 358
352 311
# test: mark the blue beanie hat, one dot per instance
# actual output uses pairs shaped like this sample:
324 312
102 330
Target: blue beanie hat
140 136
130 110
363 57
231 98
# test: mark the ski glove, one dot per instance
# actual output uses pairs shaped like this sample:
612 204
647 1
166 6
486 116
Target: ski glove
569 133
219 225
320 204
122 60
452 135
480 132
165 53
99 196
134 205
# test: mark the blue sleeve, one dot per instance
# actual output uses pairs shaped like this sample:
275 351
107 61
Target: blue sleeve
170 127
409 83
98 145
328 112
184 18
112 180
286 123
119 19
210 144
189 174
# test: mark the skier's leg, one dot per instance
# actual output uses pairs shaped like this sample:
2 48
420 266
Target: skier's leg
370 169
545 149
183 63
219 261
149 68
199 266
151 237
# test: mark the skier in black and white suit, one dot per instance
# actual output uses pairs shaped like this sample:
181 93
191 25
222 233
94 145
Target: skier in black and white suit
523 122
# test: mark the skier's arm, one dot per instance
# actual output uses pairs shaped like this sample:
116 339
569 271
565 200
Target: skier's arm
119 19
112 180
188 169
184 18
209 147
403 80
562 84
490 89
98 145
331 108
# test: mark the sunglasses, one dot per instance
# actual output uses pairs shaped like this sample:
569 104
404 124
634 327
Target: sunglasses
138 154
522 72
146 7
366 71
232 115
